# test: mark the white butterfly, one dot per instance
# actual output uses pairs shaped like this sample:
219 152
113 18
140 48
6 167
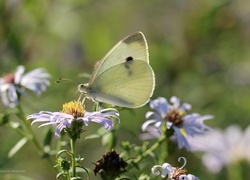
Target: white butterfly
123 77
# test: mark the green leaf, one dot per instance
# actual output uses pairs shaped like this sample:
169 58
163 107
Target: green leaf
64 151
93 136
48 137
59 175
17 147
76 178
4 118
100 133
109 139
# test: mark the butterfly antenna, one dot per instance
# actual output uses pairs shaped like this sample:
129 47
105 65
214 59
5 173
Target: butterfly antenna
61 80
77 92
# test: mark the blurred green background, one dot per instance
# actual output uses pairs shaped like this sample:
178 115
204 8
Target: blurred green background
199 51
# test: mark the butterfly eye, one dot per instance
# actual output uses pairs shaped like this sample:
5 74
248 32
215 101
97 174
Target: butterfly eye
81 87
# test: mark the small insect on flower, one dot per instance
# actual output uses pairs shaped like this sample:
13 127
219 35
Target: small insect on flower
73 117
174 117
12 86
173 173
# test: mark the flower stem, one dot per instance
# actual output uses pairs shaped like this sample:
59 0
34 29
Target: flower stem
73 150
150 150
235 171
154 147
164 151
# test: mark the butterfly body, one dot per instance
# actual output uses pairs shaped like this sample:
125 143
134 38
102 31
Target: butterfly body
123 77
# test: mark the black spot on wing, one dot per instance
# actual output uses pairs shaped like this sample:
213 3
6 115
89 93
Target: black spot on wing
129 61
130 58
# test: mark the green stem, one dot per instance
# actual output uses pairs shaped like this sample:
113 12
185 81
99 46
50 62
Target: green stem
164 150
73 150
154 147
18 130
150 150
234 171
31 135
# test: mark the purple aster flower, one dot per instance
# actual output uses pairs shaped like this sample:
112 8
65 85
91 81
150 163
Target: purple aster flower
13 85
151 132
223 148
74 112
173 173
175 117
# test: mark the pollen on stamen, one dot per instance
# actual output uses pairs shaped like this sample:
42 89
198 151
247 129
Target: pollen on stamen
175 116
74 108
178 172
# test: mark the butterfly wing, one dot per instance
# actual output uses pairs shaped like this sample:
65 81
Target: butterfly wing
134 46
128 84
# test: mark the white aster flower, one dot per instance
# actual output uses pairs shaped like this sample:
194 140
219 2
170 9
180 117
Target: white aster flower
222 148
14 85
74 112
174 117
167 170
173 173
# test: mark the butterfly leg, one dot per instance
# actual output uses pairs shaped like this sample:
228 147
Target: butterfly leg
97 106
80 97
83 101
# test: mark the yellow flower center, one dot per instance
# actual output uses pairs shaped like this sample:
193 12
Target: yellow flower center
74 108
175 116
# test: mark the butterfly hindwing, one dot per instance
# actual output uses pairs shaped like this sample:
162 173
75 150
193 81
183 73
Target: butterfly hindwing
128 84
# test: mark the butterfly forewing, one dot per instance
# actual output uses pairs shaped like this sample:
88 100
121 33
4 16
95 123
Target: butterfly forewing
133 46
128 84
